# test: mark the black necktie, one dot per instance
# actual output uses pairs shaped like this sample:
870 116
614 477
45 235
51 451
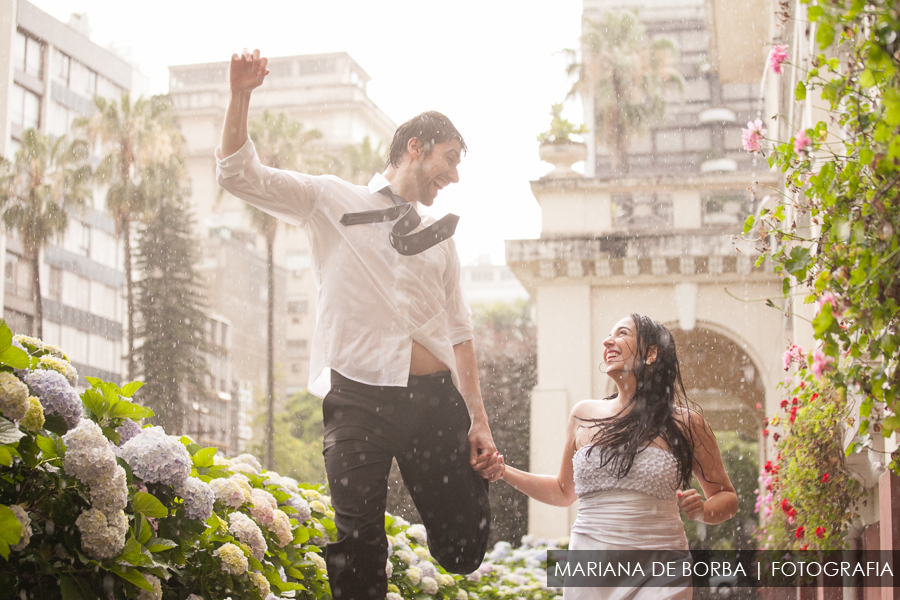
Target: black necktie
407 218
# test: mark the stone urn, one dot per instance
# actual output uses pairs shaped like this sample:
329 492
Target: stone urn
562 156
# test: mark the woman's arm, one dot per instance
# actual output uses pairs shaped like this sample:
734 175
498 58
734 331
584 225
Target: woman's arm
721 500
556 490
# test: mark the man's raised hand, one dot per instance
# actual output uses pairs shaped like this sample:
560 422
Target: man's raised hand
247 71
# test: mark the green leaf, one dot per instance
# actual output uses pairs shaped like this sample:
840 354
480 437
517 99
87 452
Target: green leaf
160 545
133 576
124 408
799 262
47 446
301 536
10 528
69 590
814 12
142 530
95 401
825 35
800 91
891 102
749 223
148 505
130 388
15 358
5 336
786 287
866 155
5 456
891 424
204 457
867 78
9 433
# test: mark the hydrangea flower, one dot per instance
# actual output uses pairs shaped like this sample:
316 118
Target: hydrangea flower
230 491
198 498
127 430
263 507
417 533
462 595
243 528
407 557
389 571
156 457
25 521
318 507
88 456
249 460
34 416
101 538
39 346
299 504
55 393
155 593
427 569
110 495
281 527
233 560
413 575
317 560
13 397
261 583
429 585
63 367
311 495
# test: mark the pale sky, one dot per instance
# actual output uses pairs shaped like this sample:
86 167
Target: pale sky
493 66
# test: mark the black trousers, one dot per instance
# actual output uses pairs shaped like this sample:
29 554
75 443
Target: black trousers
425 427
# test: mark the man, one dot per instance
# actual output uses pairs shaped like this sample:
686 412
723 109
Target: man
392 354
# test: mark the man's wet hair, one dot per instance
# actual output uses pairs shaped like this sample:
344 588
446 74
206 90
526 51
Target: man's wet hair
430 128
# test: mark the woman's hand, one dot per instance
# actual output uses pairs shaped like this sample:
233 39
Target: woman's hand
498 475
691 504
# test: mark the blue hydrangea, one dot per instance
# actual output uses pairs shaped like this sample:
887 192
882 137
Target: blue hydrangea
154 456
198 498
55 393
127 430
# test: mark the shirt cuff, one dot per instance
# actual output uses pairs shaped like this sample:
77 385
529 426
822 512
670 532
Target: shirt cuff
237 162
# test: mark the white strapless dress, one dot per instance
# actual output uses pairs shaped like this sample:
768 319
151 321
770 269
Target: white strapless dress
637 512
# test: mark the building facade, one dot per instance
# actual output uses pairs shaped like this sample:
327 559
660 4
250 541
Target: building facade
50 75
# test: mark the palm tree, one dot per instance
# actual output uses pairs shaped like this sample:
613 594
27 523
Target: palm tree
282 143
625 74
361 161
46 179
139 141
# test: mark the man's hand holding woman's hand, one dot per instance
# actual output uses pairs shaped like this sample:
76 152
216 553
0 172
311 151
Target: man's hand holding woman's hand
247 71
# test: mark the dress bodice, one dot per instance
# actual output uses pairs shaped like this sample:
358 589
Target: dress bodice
654 472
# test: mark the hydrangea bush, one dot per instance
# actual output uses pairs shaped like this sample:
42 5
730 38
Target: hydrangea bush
95 505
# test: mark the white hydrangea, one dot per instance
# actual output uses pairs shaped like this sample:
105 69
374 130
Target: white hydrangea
63 367
427 569
281 527
155 456
445 580
57 396
198 498
300 504
388 570
414 575
25 521
243 528
88 456
232 491
101 538
261 583
110 495
393 596
417 533
429 585
317 560
249 460
462 595
155 593
263 507
407 557
422 552
233 559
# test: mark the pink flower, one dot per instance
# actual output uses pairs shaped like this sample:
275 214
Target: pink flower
829 298
802 143
820 363
753 135
777 55
794 353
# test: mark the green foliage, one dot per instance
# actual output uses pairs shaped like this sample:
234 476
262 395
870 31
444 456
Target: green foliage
561 130
298 439
172 324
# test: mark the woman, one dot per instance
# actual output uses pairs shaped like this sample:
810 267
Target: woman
629 459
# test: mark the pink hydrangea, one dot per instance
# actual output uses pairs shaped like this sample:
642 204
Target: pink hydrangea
753 135
802 143
820 363
777 55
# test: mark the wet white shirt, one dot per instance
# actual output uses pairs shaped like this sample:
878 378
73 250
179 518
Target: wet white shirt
372 302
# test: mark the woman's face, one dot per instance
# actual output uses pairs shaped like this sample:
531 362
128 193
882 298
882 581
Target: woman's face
620 347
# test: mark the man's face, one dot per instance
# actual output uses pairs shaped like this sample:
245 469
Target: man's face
437 170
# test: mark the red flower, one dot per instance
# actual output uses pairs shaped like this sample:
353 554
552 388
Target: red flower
785 505
768 467
813 397
820 532
804 546
784 403
775 437
799 533
794 401
793 413
826 478
766 433
802 384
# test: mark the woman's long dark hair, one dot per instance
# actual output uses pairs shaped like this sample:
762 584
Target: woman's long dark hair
657 397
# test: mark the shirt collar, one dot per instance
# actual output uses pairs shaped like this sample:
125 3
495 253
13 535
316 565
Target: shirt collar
378 183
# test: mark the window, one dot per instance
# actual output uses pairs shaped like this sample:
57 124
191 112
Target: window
60 119
25 107
60 66
19 323
297 260
298 305
104 301
82 80
18 277
76 344
54 284
102 353
78 238
297 347
78 291
107 88
29 56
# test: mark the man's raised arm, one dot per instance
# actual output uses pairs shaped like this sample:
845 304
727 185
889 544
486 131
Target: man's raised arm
246 74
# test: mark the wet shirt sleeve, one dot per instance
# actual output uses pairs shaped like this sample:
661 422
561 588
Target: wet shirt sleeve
286 195
459 316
